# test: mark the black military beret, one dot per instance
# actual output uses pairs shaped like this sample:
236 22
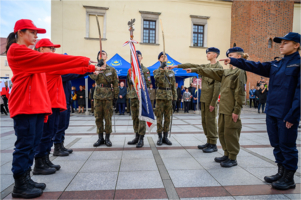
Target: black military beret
233 50
160 54
138 52
213 49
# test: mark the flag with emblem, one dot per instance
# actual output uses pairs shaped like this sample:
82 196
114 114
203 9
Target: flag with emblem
146 112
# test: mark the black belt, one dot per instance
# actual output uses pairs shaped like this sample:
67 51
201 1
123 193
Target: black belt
104 85
161 88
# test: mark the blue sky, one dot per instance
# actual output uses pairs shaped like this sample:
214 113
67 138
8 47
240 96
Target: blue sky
39 11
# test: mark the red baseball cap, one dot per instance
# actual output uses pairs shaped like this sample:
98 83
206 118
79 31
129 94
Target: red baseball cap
46 43
27 24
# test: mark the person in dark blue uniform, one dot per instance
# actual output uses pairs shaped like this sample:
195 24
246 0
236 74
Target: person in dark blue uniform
282 114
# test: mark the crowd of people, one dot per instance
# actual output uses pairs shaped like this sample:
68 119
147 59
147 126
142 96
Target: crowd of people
258 96
41 98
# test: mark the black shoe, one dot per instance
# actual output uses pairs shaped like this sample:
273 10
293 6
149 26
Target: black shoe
108 143
276 177
35 184
210 148
228 163
50 164
65 149
100 140
160 140
23 189
140 142
165 139
203 146
286 181
220 159
41 168
135 140
58 151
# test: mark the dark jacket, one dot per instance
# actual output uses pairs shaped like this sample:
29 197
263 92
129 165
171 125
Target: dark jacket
81 101
252 92
91 95
179 93
122 92
196 95
262 96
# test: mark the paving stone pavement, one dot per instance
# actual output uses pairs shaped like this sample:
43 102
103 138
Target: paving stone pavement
180 171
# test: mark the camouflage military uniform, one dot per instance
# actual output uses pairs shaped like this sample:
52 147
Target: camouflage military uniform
210 92
231 101
166 93
139 126
103 97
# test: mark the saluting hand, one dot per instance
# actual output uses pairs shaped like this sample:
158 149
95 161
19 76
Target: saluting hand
288 125
234 117
188 70
226 60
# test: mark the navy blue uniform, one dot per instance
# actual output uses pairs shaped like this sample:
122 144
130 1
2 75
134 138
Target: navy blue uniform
283 104
65 115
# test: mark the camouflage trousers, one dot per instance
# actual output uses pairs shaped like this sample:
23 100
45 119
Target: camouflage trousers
163 109
139 126
103 110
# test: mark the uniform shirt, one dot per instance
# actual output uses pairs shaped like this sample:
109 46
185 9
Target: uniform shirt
284 87
165 79
232 87
210 87
29 93
131 93
106 77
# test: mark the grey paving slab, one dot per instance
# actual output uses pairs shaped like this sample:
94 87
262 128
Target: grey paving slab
266 152
174 154
6 168
254 162
210 198
234 176
6 181
192 178
182 163
72 166
75 156
100 166
261 197
55 182
293 196
208 163
138 165
137 180
6 157
197 153
93 181
137 154
106 155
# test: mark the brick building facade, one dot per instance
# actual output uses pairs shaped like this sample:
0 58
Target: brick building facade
255 24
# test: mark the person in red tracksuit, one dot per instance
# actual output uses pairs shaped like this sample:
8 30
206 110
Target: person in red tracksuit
43 165
29 101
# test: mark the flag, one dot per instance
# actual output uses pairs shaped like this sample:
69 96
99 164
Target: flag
146 112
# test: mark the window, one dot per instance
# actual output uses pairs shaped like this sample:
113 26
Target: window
198 35
149 31
199 29
93 28
270 43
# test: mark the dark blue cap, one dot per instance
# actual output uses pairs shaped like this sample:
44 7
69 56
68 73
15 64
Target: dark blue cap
138 52
160 54
213 49
290 36
233 50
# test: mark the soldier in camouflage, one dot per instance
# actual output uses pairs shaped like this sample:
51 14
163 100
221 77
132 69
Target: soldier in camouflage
165 96
139 125
103 98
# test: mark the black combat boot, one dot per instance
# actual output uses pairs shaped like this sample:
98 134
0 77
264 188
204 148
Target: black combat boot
276 177
65 149
50 164
286 181
58 151
160 139
210 148
41 168
220 159
140 142
108 143
165 139
35 184
228 163
203 146
100 140
135 140
23 189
